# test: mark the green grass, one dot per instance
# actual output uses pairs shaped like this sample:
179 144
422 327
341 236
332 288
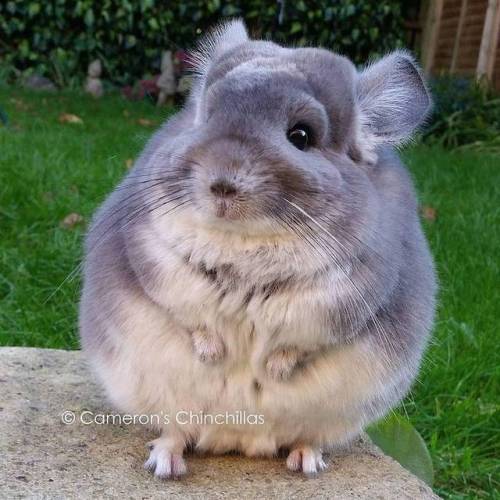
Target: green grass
49 169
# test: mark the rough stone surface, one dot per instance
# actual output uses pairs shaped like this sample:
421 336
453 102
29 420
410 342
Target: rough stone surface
95 69
93 86
166 82
43 458
93 83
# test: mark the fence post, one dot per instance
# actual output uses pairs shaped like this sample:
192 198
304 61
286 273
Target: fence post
489 41
431 33
458 35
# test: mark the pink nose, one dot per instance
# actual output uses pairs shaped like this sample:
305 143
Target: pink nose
223 189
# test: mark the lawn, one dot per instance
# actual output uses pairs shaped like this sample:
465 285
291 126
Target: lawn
50 169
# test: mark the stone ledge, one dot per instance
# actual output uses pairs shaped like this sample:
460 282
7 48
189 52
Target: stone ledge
43 458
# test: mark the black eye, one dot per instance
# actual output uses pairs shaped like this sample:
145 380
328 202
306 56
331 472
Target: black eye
299 136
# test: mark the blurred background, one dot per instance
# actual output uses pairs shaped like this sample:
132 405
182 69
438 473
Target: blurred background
127 45
83 85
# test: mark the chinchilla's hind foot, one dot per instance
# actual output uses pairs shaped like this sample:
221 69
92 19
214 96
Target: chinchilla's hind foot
305 459
164 461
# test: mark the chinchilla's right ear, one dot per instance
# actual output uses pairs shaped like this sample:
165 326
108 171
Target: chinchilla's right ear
222 38
393 100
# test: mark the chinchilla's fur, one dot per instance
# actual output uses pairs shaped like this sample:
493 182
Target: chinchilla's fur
253 293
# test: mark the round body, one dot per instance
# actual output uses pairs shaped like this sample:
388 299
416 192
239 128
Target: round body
260 279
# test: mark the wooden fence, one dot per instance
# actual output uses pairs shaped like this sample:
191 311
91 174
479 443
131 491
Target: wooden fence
462 37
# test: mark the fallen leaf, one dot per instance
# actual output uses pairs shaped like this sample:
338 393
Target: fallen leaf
145 122
71 220
428 213
19 104
129 162
69 118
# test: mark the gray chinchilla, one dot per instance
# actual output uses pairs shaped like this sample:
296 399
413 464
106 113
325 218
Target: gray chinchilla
260 281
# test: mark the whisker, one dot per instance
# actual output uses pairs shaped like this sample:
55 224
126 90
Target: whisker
143 210
378 326
137 196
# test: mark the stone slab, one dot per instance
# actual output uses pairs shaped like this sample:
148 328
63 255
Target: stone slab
41 457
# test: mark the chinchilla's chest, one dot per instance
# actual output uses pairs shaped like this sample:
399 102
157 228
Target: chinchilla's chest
283 308
246 296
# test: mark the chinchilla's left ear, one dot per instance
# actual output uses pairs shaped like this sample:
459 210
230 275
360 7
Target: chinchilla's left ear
393 99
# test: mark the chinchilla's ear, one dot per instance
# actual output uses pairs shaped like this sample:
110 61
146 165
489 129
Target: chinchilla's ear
393 99
222 38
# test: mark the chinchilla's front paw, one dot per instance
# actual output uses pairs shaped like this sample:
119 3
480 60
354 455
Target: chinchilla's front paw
209 347
282 362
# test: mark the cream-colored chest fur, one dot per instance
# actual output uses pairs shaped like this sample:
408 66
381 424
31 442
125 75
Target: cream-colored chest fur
255 295
156 370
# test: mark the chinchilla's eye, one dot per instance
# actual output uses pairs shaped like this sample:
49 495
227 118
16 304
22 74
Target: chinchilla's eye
300 136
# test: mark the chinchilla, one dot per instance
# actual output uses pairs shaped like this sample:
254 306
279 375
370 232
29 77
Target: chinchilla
260 278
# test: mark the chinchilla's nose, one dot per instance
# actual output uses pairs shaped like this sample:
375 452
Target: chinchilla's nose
223 189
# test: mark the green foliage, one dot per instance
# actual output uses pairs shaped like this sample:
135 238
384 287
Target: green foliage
466 115
58 39
396 437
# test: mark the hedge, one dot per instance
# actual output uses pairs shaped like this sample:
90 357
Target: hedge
58 38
